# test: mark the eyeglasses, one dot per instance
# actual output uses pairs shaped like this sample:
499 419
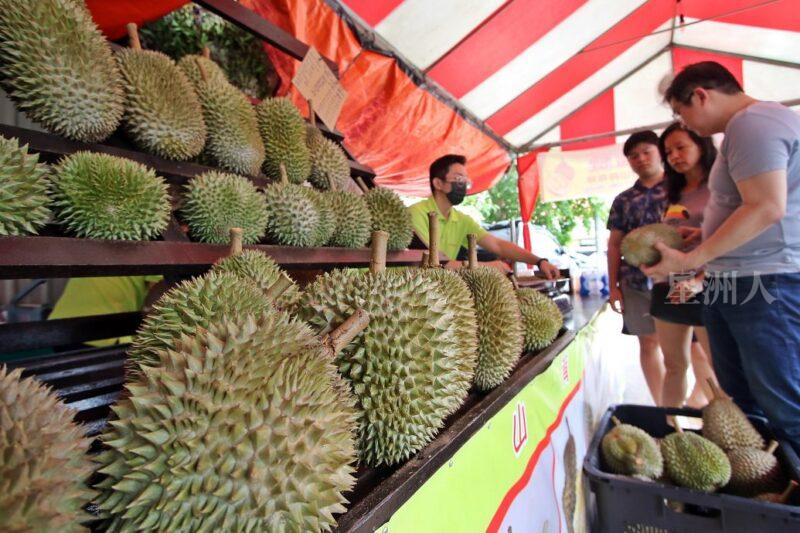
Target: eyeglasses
459 178
676 114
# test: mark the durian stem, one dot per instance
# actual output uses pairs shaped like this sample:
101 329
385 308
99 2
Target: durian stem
433 239
362 185
616 420
133 36
337 339
515 282
202 69
284 174
236 241
206 52
377 262
279 287
788 491
773 445
472 241
718 393
425 262
675 423
312 117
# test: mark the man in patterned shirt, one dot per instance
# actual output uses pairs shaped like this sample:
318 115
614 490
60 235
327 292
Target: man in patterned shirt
642 204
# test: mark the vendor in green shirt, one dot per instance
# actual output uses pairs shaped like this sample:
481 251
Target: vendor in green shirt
449 184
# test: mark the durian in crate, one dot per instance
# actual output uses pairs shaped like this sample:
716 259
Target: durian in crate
725 424
631 451
693 461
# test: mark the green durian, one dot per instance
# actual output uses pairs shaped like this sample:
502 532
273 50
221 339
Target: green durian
353 220
500 333
196 303
284 133
44 465
631 451
638 248
244 426
330 168
23 190
258 268
726 425
163 115
405 369
695 462
215 202
755 471
293 216
541 319
327 218
190 65
102 196
390 215
233 140
58 68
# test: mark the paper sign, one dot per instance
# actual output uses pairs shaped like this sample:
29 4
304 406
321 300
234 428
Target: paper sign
318 84
602 171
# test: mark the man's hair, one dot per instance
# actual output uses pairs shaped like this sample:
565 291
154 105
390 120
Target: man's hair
441 166
640 137
708 75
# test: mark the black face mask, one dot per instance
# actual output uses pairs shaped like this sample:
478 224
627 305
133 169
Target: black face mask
457 192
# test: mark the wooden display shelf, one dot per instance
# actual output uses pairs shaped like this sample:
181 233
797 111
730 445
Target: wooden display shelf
59 257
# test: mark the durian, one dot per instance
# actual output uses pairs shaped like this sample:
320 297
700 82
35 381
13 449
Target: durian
101 196
242 427
44 466
327 218
694 462
778 497
541 319
215 202
755 471
233 140
293 216
191 66
726 425
58 68
631 451
23 190
194 303
353 220
284 133
500 333
405 368
638 246
162 113
390 215
330 169
258 268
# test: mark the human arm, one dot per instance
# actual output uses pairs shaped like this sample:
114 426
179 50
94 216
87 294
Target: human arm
614 258
511 252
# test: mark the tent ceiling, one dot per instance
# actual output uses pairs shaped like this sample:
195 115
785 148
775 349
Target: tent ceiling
523 67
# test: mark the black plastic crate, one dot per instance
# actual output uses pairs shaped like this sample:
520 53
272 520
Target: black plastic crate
627 505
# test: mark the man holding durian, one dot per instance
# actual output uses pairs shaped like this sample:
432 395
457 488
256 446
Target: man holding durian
449 184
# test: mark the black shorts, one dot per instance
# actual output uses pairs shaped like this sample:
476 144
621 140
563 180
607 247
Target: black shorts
689 313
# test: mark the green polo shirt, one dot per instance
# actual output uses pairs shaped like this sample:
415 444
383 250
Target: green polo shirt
453 231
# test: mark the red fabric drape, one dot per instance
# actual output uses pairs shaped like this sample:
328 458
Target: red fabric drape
528 186
113 16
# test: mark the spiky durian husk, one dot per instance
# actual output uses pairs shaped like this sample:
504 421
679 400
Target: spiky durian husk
293 217
244 427
258 268
695 462
162 112
499 327
58 68
189 65
631 451
405 368
232 140
194 303
23 190
284 133
215 202
541 319
101 196
330 169
353 220
390 215
43 465
327 218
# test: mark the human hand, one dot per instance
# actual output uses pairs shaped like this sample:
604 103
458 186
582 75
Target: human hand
690 235
549 270
672 261
616 300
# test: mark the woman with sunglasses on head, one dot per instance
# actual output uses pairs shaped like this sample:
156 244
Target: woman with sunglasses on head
678 317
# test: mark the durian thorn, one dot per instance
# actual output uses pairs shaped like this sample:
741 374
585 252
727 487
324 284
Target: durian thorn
336 340
133 36
788 491
202 69
279 287
472 240
236 241
207 52
616 421
284 174
377 262
362 185
424 262
433 239
312 117
675 423
773 445
716 390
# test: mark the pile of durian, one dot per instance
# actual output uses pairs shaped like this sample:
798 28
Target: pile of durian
730 455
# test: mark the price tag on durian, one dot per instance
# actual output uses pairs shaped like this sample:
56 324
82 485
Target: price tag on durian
318 84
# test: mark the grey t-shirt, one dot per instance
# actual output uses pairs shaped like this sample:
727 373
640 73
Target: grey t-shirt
764 136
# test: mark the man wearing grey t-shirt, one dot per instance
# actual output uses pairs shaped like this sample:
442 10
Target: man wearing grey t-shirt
751 243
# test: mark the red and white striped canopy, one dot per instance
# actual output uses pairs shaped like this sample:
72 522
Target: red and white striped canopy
538 71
